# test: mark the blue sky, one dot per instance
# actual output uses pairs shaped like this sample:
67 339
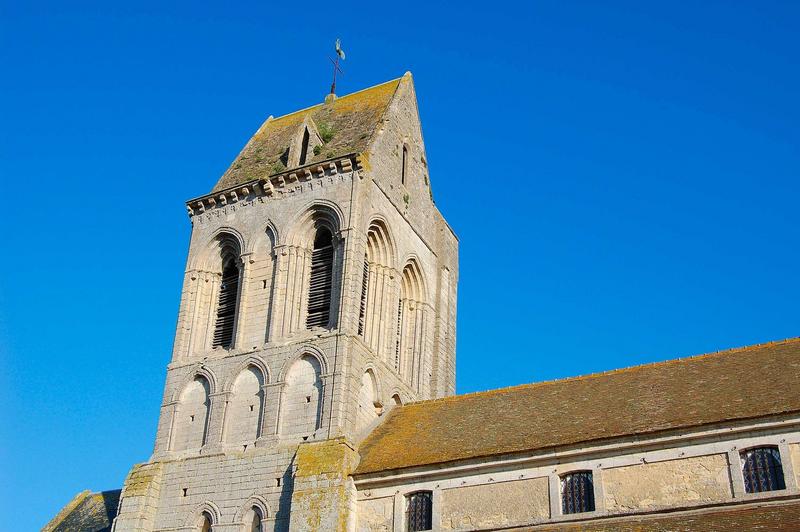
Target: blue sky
623 179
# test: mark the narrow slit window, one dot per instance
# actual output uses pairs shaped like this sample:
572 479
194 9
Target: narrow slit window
321 280
419 511
762 470
404 167
304 147
226 305
362 311
577 493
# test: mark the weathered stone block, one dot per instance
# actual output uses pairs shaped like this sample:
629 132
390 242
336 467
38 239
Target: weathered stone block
702 479
494 505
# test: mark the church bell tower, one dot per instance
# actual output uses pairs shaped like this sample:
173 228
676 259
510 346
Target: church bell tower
319 292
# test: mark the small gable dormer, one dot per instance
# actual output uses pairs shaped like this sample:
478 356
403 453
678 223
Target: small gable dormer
304 141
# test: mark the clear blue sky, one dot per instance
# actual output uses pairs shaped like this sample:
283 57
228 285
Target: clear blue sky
623 179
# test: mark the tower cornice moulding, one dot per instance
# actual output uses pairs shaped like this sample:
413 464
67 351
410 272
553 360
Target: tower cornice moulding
294 181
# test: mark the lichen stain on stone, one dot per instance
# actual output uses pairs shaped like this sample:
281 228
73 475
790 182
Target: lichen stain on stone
140 479
321 497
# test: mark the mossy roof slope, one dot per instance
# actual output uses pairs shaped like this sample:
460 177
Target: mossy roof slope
90 512
742 383
353 119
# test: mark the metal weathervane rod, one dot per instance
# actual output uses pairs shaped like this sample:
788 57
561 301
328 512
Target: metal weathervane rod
339 55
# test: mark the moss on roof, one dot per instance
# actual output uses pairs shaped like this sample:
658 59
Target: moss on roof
87 512
353 120
743 383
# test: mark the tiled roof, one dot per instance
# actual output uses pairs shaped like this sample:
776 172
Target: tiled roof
742 383
87 512
352 119
774 517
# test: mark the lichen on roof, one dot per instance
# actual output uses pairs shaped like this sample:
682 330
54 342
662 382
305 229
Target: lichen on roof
739 384
353 120
87 512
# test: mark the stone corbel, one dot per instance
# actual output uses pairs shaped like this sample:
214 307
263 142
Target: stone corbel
266 186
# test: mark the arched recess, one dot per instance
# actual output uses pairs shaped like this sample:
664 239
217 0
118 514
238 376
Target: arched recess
377 288
253 514
245 409
411 325
192 413
368 406
310 272
301 403
262 286
213 302
204 518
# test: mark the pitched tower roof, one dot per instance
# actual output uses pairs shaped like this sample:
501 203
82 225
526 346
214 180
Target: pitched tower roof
352 119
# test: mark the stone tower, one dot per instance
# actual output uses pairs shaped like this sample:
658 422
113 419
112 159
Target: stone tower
320 291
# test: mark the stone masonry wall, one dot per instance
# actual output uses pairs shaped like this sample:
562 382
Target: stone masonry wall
495 505
665 484
794 451
376 515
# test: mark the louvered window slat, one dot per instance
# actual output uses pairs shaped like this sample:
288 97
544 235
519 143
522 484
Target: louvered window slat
226 307
362 312
320 285
399 335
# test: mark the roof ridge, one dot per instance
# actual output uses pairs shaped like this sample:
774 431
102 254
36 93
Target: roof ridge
605 373
371 137
338 98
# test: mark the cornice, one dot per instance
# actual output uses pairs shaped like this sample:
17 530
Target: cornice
293 181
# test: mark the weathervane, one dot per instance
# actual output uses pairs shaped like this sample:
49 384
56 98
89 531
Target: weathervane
339 55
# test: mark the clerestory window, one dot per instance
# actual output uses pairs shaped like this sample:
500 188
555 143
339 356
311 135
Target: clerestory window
577 492
762 470
419 511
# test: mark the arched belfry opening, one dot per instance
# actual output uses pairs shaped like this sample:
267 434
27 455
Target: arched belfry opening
227 300
320 283
309 270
